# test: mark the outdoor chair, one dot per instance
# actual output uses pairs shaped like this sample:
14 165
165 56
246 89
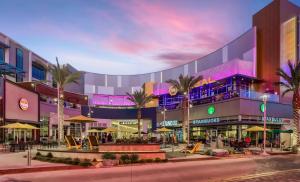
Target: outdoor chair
195 149
93 142
71 143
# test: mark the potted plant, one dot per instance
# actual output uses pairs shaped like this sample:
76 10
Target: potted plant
109 159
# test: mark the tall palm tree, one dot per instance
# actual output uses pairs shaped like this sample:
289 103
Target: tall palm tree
62 76
183 85
291 83
140 99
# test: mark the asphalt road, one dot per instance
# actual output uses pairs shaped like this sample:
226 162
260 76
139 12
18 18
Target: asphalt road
243 169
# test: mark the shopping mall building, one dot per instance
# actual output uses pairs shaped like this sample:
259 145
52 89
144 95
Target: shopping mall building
227 100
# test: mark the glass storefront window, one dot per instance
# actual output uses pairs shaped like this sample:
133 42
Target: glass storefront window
2 55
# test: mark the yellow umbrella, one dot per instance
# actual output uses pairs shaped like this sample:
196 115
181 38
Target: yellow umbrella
256 129
164 129
30 127
109 130
80 119
93 131
15 126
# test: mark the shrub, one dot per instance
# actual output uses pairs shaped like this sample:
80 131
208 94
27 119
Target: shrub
230 150
208 152
76 161
295 149
124 157
38 154
149 160
134 158
164 160
109 155
68 160
157 159
49 155
85 164
142 161
127 161
94 160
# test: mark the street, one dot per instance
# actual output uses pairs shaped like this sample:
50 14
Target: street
241 169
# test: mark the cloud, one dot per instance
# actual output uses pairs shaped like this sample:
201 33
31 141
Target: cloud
177 58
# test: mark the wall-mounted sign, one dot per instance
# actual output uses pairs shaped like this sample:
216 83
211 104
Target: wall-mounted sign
172 90
262 107
204 82
206 121
169 123
211 110
128 122
273 120
23 104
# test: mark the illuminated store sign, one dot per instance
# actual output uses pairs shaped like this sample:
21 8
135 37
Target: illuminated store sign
23 104
262 107
169 123
206 121
204 82
128 122
211 110
273 120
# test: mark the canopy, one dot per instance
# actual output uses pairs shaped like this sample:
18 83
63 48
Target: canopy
93 131
109 130
256 129
141 132
282 131
80 119
16 126
164 129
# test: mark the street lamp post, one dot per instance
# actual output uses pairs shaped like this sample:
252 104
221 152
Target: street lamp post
265 98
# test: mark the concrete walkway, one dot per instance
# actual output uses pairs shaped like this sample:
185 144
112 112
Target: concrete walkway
17 160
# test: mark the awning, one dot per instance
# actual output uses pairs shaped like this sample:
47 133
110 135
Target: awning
281 131
109 130
256 129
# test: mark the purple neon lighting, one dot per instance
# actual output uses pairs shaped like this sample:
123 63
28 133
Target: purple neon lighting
111 100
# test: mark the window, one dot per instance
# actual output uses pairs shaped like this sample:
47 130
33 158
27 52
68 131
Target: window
19 64
2 55
38 72
19 60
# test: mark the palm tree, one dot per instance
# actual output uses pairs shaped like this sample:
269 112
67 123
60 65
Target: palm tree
140 99
183 85
291 84
62 76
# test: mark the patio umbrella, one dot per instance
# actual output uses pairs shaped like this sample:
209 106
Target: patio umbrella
80 119
15 126
109 130
256 129
164 129
93 131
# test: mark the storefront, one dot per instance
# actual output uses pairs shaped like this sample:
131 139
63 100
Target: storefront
19 105
174 125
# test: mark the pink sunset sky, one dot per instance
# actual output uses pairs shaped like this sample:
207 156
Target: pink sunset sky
126 36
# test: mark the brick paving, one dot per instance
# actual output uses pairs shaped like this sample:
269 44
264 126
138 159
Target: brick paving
281 176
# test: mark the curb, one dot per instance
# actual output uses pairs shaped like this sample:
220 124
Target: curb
38 169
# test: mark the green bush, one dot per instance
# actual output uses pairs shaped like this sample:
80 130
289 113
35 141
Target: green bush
49 155
157 159
295 149
38 154
149 160
76 161
68 160
127 161
164 160
142 161
124 157
108 155
134 158
94 160
208 152
85 163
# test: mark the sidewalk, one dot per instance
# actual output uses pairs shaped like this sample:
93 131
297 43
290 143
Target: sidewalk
17 163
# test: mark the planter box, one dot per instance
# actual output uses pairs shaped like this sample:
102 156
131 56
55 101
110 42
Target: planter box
110 162
129 147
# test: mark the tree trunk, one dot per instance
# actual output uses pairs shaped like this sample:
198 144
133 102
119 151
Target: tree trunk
184 123
139 117
296 109
60 114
